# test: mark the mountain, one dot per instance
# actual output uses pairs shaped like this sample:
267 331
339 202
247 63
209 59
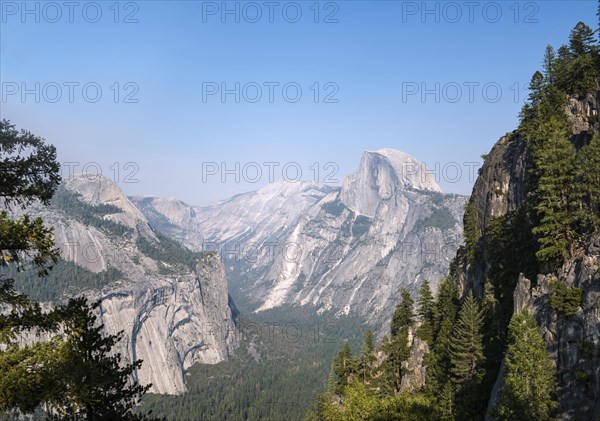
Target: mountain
389 226
172 304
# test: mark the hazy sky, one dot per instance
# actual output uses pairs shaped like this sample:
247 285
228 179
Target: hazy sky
135 88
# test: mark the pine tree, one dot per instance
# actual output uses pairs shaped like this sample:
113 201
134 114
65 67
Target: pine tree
425 302
581 40
580 70
403 316
367 357
530 380
549 65
589 173
557 194
467 359
466 344
344 365
425 312
72 373
92 383
438 359
29 173
398 349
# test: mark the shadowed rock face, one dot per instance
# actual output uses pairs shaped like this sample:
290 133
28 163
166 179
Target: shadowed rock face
351 248
172 315
574 342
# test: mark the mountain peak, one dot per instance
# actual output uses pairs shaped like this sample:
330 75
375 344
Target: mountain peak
411 172
381 175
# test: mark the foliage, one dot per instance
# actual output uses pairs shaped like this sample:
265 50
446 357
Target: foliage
530 380
467 358
280 380
87 214
335 208
398 348
361 225
168 251
557 193
565 300
359 404
425 312
28 168
66 279
92 383
67 365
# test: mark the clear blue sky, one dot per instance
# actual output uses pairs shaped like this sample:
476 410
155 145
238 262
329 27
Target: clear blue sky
374 56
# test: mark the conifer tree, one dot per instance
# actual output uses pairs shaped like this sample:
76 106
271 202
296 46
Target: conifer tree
530 380
398 349
581 40
367 357
589 173
92 382
344 366
425 302
438 360
403 315
549 65
557 195
425 312
467 359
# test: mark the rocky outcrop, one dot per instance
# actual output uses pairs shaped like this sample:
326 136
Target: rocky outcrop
574 342
172 315
414 367
173 323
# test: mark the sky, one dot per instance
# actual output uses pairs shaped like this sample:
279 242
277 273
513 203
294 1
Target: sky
202 100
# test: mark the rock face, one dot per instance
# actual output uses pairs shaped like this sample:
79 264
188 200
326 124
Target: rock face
574 342
351 248
172 315
414 366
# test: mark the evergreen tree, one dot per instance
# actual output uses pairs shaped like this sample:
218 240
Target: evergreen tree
425 312
589 174
71 374
367 357
581 40
549 65
557 194
403 315
530 380
92 384
29 173
398 349
467 359
425 302
438 360
344 365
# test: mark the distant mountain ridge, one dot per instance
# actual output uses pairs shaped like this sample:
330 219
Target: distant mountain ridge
350 248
